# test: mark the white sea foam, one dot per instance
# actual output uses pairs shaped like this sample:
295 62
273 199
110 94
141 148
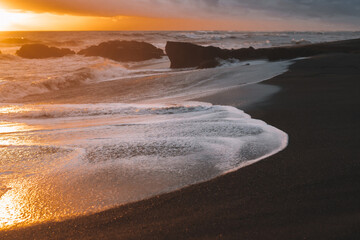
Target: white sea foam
300 41
140 151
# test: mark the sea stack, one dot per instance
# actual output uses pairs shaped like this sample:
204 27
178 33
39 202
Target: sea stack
124 51
42 51
186 55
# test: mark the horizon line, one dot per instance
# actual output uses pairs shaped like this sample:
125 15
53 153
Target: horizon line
253 31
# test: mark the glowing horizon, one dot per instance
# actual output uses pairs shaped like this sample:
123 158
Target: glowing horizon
55 15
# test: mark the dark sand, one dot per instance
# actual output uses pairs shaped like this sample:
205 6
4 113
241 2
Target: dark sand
311 190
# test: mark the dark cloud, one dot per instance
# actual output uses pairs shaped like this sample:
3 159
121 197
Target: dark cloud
305 8
346 11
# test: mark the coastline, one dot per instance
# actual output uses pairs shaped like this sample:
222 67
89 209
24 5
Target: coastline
310 190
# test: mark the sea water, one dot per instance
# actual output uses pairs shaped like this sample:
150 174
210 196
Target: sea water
82 134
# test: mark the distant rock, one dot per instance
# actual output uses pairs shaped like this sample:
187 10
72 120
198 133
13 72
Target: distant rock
42 51
15 40
184 55
124 51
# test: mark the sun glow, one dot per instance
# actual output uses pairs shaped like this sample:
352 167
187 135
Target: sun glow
10 19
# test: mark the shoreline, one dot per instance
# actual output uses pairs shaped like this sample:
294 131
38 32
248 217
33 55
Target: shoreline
301 192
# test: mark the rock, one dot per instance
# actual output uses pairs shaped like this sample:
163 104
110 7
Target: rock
16 41
124 51
183 55
42 51
209 64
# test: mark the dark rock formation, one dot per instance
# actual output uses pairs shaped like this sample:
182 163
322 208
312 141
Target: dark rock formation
124 51
42 51
183 55
209 64
16 41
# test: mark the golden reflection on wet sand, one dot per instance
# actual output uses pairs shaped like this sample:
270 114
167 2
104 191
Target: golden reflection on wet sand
17 186
10 206
29 198
32 190
27 203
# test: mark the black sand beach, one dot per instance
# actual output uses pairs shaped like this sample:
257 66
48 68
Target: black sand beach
311 190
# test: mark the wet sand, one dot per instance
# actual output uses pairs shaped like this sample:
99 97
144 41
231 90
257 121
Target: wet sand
311 190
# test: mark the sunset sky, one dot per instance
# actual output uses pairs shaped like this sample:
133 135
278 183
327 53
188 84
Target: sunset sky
259 15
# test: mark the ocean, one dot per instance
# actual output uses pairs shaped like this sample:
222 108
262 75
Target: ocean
79 134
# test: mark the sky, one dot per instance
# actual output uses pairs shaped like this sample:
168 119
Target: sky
245 15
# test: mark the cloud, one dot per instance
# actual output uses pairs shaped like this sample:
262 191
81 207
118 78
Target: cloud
304 8
346 11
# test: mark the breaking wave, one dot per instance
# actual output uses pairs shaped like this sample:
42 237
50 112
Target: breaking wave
55 74
44 111
12 90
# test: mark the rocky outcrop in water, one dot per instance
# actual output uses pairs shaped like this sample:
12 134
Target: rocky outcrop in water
16 41
42 51
184 55
124 51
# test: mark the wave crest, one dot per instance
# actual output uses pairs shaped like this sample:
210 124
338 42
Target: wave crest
91 110
14 90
